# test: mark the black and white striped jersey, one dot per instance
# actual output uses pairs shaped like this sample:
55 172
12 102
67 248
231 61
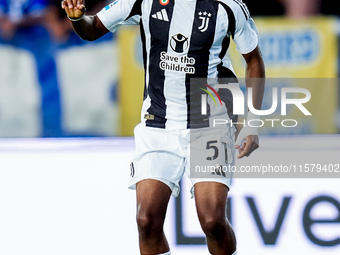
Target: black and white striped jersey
182 39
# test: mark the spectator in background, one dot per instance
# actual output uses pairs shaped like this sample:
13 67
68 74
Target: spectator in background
292 8
19 13
301 8
22 27
26 13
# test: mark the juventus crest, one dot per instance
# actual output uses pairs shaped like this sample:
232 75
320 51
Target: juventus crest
205 17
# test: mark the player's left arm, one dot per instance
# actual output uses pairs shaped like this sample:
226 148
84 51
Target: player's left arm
255 74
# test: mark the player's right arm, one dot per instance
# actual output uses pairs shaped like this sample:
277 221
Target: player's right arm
87 27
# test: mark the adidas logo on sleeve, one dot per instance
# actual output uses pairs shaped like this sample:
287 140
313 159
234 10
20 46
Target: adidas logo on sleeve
161 15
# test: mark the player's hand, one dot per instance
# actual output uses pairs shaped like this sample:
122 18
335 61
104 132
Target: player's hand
247 145
74 9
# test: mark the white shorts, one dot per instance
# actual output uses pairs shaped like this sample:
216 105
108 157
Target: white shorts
165 155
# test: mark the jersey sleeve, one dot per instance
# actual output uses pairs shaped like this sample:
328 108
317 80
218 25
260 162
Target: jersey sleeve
120 12
246 34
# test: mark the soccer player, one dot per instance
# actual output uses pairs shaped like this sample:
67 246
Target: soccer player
182 39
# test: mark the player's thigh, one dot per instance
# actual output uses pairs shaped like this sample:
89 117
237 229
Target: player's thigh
152 199
211 161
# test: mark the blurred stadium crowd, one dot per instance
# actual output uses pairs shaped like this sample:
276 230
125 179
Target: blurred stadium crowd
33 35
18 14
42 28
